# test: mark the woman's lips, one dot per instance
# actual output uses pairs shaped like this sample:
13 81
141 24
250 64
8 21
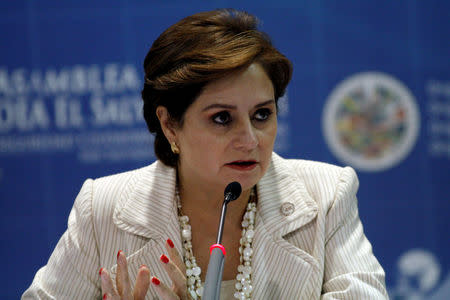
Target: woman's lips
242 165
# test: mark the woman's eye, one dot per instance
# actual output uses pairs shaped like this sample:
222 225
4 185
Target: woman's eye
222 118
262 114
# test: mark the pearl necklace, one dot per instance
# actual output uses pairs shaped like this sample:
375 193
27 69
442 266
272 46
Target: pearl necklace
244 279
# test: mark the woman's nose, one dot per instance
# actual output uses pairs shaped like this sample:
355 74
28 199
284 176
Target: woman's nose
246 138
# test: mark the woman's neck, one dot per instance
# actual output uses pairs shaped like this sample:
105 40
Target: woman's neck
204 203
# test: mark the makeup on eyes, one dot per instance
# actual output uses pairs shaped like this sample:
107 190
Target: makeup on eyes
226 116
234 107
221 114
268 112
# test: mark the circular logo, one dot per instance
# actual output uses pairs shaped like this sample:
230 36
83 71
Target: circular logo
370 121
418 276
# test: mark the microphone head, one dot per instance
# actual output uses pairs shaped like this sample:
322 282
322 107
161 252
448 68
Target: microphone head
232 191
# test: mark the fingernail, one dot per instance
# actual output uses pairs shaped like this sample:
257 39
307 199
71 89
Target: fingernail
164 259
171 245
118 254
105 296
100 272
143 266
155 281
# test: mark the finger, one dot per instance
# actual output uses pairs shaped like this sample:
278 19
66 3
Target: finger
175 256
108 286
162 290
122 278
142 283
178 278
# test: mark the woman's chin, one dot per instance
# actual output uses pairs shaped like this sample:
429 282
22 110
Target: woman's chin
245 182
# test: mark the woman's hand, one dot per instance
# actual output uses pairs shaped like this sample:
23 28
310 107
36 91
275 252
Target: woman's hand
124 291
173 265
176 270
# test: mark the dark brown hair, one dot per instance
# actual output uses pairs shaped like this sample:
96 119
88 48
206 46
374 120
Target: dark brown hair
197 50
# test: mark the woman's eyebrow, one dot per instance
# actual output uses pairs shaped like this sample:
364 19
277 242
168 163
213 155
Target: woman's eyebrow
228 106
219 105
265 103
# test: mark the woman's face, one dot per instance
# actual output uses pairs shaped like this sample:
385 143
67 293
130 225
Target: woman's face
229 131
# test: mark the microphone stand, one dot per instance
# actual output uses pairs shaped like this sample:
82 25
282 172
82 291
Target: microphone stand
213 281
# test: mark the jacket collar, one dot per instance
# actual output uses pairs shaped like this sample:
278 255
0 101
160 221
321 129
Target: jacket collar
147 205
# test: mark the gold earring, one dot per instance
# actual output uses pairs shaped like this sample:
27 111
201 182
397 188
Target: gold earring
174 148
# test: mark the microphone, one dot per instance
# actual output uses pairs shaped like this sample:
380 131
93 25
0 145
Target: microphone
232 191
213 281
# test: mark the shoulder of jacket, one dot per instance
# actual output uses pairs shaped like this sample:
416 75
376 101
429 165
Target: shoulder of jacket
307 168
105 192
324 182
121 177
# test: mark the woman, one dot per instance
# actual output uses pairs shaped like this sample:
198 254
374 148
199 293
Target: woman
210 97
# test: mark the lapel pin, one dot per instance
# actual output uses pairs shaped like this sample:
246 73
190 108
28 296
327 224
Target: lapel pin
287 208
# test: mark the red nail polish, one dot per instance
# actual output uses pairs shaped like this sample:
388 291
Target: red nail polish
118 253
155 281
171 245
105 296
100 272
164 259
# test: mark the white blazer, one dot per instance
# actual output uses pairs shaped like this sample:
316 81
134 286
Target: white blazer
308 244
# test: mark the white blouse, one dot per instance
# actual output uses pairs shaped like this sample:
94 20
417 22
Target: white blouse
227 289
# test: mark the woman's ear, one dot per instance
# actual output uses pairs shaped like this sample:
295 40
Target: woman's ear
166 123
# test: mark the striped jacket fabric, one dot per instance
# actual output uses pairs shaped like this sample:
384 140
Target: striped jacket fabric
309 241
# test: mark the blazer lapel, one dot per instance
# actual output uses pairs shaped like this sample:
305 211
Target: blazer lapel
281 270
147 206
147 209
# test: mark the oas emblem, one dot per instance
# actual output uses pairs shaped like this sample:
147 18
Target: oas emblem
370 121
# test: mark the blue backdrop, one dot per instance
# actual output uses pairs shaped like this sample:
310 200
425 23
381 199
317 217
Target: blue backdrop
370 89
